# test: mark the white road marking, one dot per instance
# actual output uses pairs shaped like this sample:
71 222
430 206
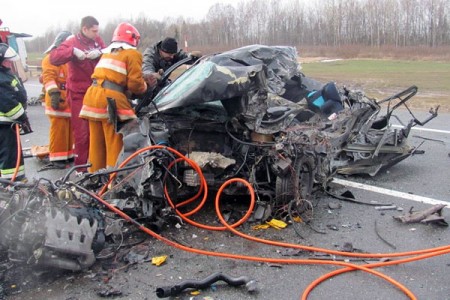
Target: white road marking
388 192
424 129
36 85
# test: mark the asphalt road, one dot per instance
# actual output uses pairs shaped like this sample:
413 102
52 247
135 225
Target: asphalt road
419 182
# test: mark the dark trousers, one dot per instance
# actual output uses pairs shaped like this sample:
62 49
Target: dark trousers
8 152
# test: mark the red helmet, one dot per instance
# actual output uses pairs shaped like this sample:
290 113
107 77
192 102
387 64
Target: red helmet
127 33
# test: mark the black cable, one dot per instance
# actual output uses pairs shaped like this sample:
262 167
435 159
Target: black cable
71 170
291 215
243 163
308 223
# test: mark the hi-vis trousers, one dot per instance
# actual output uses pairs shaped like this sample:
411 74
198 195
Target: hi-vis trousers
105 145
61 139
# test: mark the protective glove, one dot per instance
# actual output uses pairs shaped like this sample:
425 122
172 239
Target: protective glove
152 79
55 96
41 97
79 53
93 54
24 124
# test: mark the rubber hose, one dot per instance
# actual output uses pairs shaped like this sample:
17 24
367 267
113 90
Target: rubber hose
171 291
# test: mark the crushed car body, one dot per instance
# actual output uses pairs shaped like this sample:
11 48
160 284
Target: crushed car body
253 106
249 113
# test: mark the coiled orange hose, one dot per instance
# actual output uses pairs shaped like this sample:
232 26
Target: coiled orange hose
422 254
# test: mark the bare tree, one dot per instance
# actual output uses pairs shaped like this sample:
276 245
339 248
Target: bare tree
334 23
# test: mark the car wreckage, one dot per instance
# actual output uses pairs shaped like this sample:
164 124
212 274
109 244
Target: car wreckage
246 113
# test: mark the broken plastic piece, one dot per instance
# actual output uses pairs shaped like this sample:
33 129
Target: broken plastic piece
277 224
159 260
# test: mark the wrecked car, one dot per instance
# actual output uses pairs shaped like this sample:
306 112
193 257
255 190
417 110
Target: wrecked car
249 113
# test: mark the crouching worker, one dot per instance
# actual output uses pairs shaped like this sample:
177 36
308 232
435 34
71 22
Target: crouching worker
13 100
161 56
105 104
56 108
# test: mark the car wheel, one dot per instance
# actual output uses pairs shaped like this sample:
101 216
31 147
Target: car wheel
298 183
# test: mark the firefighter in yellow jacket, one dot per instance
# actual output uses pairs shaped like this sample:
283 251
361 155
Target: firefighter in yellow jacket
56 107
118 72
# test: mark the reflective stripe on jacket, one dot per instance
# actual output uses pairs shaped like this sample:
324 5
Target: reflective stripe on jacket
122 67
13 97
54 77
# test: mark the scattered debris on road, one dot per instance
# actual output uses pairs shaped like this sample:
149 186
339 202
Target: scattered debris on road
432 215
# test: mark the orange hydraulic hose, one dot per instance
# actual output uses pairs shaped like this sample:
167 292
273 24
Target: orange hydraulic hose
204 185
19 152
195 166
244 257
250 188
427 253
202 180
133 155
329 251
350 267
264 241
319 280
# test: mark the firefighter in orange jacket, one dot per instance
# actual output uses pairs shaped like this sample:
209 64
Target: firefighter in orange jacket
118 71
57 108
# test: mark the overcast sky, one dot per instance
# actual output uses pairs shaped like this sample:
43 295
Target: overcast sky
36 16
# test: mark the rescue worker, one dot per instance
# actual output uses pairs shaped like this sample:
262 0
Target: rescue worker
56 108
81 52
105 104
161 56
13 101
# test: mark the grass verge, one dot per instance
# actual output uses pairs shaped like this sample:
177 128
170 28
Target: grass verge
380 78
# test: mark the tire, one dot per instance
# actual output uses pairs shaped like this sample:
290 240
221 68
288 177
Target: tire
301 178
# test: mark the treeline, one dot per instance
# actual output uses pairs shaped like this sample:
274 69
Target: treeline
332 23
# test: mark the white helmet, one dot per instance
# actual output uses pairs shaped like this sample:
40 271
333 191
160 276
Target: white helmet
61 37
7 53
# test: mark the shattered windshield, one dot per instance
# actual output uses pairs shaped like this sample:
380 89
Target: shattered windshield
231 74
